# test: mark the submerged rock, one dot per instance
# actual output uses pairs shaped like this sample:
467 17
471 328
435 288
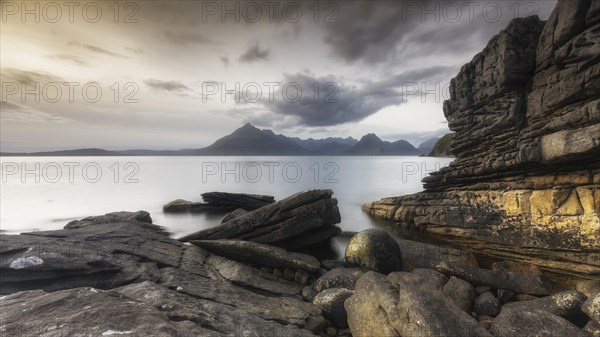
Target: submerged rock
374 249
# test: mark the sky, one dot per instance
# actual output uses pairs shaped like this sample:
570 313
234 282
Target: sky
181 74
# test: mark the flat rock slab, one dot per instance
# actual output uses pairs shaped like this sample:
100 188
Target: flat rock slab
233 201
265 255
527 283
567 303
279 222
519 322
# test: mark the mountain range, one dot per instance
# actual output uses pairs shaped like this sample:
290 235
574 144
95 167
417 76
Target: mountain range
249 140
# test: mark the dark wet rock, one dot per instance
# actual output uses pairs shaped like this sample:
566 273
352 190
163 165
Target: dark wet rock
486 304
265 255
82 312
429 278
280 222
193 292
232 215
246 276
123 216
375 250
390 306
331 264
482 289
332 302
568 303
591 307
285 310
339 278
218 318
301 277
461 293
529 283
232 201
504 295
524 297
310 238
308 293
519 322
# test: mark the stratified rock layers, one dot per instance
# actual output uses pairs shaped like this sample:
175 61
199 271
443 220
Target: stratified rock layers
525 184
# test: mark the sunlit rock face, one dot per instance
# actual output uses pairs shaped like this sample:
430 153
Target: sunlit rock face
525 184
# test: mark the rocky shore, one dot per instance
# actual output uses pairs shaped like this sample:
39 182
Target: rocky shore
525 185
119 274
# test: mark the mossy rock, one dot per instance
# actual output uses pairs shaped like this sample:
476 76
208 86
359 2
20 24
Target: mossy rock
375 250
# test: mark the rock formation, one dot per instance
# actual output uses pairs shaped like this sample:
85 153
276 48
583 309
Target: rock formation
525 184
300 220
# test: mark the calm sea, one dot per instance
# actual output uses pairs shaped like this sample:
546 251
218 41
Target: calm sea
41 193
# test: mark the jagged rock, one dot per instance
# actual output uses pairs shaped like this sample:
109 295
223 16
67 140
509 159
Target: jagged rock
193 292
563 304
221 319
374 249
525 182
529 283
461 293
332 302
266 255
280 222
339 278
235 214
83 312
518 322
442 146
591 307
486 304
123 216
232 201
391 306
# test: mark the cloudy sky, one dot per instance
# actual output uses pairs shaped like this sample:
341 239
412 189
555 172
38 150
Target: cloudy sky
180 74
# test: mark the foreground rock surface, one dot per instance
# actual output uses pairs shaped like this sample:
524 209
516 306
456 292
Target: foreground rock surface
157 285
286 222
526 116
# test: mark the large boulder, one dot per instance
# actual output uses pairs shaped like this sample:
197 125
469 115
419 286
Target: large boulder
461 293
374 249
591 307
391 306
286 222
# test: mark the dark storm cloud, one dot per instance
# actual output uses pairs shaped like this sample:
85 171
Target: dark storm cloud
28 77
371 31
96 49
171 86
338 102
184 38
72 59
255 53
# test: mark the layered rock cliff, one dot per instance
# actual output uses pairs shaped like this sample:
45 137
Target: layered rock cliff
525 184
